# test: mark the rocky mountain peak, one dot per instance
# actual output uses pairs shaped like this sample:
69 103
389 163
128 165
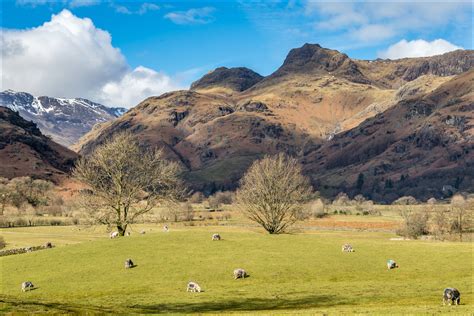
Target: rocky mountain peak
238 79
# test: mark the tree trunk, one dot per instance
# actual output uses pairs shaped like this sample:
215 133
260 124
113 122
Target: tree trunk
121 229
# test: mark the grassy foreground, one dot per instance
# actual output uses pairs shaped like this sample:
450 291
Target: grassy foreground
301 273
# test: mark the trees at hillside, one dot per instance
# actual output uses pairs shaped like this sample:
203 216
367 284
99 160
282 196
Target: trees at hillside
126 181
272 192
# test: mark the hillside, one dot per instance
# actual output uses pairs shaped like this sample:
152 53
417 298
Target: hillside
65 120
226 120
25 151
423 146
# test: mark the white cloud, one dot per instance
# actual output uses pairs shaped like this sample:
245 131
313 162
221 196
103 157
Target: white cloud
69 57
144 8
377 21
192 16
137 85
417 48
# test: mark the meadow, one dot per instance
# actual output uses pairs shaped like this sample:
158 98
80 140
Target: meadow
300 273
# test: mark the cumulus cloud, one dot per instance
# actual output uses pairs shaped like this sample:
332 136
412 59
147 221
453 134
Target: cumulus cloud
69 57
417 48
192 16
137 85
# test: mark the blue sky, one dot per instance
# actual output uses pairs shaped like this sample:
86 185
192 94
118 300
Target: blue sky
182 40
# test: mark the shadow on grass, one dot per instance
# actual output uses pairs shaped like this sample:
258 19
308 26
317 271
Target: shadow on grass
242 305
236 305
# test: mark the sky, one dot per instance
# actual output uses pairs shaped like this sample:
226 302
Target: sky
120 52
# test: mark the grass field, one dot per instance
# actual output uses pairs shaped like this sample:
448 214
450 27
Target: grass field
294 274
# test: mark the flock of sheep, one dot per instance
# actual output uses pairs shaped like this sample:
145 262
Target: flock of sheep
450 295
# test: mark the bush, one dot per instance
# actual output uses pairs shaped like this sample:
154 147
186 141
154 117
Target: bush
405 200
415 224
197 197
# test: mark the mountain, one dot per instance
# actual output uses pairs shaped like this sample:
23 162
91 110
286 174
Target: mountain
236 79
25 151
65 120
217 130
423 146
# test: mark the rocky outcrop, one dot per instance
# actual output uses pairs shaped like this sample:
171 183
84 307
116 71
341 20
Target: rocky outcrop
237 79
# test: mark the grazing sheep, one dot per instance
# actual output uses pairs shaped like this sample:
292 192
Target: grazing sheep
193 287
27 286
166 228
216 237
391 264
451 296
240 274
28 249
129 264
114 235
128 234
347 248
48 245
142 232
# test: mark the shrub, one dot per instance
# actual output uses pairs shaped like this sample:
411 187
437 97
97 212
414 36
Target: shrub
415 224
197 197
405 200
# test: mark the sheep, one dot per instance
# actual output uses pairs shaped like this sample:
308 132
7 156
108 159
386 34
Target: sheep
451 296
128 234
114 235
240 274
27 286
193 287
142 232
166 228
48 245
216 237
347 248
129 264
391 264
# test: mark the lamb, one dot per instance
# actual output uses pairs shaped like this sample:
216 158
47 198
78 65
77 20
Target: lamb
451 296
27 286
129 264
216 237
114 235
240 274
391 264
166 228
347 248
193 287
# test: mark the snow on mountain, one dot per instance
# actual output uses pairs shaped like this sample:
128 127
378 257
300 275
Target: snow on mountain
65 120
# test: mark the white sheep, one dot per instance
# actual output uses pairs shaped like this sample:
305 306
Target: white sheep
216 237
27 286
240 274
347 248
193 287
114 235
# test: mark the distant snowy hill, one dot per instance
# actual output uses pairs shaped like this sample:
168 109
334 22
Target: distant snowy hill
65 120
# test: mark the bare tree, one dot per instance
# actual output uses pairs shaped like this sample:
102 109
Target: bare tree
272 192
462 212
126 181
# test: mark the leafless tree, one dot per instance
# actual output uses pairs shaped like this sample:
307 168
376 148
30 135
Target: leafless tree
126 181
461 211
272 192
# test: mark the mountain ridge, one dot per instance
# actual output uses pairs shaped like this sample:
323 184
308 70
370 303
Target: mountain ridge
65 120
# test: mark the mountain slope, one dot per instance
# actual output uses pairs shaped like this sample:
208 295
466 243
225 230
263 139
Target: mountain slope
216 131
422 146
24 151
65 120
